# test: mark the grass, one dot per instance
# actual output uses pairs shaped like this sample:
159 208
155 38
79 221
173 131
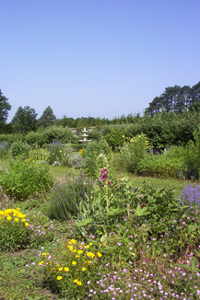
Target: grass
20 274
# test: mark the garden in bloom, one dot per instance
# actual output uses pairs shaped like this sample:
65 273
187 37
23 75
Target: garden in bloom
81 226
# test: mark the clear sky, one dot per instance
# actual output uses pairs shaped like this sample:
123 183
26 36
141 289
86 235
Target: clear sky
98 58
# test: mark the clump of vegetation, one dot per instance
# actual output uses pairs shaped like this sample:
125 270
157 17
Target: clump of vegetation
134 151
14 232
24 180
70 272
20 148
90 154
66 197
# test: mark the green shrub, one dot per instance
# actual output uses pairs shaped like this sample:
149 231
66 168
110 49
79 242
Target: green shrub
58 134
65 197
115 137
38 154
20 148
90 154
59 153
26 179
75 161
134 152
162 166
35 138
11 138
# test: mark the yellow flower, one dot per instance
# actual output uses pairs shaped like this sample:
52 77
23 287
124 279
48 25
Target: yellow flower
72 241
26 224
66 269
70 248
76 280
74 250
90 254
87 247
79 283
59 277
44 254
16 219
23 220
77 256
84 269
88 262
74 263
9 218
80 252
91 244
60 269
99 254
41 263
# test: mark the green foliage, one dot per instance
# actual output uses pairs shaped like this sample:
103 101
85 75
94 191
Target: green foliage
4 107
114 137
26 179
10 138
14 232
65 197
75 161
193 156
57 134
24 120
4 147
59 153
90 154
20 148
37 155
134 152
47 118
166 165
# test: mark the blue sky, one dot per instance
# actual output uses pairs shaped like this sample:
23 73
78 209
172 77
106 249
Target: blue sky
99 58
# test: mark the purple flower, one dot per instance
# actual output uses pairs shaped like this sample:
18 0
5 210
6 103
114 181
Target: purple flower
104 174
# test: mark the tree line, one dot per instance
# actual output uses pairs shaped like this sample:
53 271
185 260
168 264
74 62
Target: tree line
178 100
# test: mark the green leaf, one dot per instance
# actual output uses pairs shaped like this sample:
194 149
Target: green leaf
139 212
84 222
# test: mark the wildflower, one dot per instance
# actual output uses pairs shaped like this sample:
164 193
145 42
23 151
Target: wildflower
26 224
84 269
59 277
44 254
99 254
74 263
66 269
60 269
90 254
104 174
9 218
16 219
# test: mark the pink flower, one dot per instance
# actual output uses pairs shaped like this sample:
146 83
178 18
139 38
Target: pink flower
104 174
109 183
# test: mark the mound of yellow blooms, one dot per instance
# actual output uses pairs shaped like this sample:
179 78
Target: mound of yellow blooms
13 215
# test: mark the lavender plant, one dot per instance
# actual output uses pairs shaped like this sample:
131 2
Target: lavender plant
190 195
